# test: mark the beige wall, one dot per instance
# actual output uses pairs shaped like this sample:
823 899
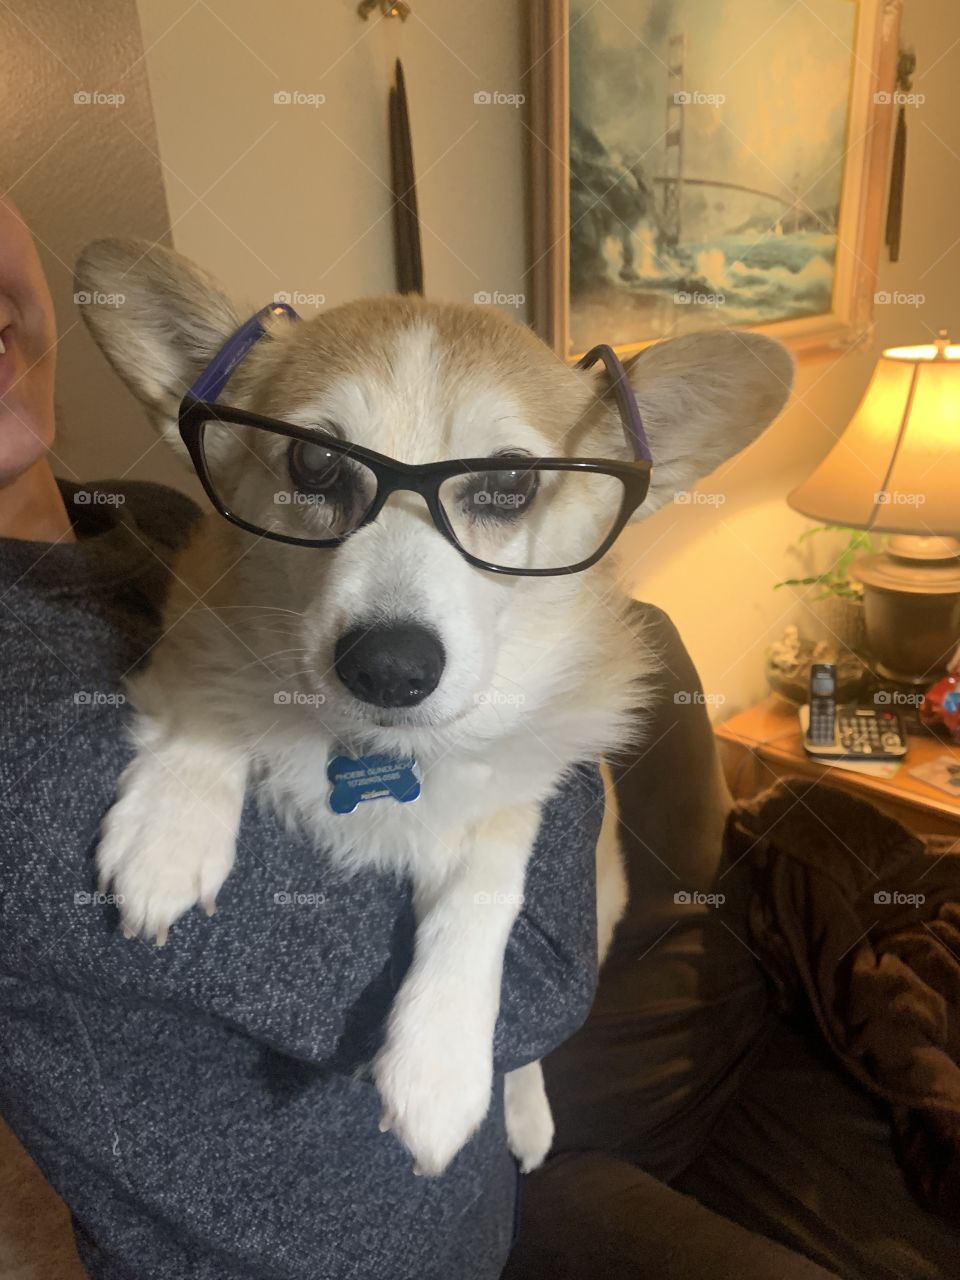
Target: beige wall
294 198
79 170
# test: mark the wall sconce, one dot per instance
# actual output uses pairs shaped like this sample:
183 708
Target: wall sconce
389 8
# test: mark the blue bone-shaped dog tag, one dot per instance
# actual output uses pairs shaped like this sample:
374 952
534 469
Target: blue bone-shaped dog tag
371 778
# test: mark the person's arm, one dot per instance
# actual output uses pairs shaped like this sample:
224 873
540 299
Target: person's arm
298 957
550 967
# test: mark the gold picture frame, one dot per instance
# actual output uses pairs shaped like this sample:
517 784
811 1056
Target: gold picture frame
855 224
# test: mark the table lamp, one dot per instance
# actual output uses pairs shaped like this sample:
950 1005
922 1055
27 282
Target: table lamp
896 470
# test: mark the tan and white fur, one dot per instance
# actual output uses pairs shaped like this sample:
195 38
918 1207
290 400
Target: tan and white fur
249 617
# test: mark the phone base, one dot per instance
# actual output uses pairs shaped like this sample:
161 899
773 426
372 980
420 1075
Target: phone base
860 733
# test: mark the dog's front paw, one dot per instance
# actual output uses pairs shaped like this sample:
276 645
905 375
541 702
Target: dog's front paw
163 849
528 1116
435 1085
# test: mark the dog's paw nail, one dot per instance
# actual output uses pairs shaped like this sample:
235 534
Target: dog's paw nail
418 1171
161 939
210 906
128 932
386 1122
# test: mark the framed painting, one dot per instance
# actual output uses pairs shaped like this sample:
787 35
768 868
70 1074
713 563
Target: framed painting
699 163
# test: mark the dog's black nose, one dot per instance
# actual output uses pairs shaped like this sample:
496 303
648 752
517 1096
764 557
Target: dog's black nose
390 666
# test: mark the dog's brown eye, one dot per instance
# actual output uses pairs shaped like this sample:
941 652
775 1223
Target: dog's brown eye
499 495
314 468
329 488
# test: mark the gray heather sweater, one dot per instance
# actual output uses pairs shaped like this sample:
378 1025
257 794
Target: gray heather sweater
203 1108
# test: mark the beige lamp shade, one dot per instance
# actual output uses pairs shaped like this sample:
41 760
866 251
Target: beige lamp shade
896 468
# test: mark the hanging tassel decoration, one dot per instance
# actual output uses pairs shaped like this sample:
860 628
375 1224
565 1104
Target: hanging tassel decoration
906 65
406 219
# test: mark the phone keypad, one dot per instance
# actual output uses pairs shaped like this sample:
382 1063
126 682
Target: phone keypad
822 723
865 732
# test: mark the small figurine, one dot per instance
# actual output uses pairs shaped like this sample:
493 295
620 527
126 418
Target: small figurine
786 653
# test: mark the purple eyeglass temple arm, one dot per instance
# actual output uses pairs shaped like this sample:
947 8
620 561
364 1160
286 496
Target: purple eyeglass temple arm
215 376
626 400
217 373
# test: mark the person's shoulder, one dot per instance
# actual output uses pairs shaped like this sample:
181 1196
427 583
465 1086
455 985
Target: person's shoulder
163 514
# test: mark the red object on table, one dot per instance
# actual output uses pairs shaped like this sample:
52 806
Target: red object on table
940 708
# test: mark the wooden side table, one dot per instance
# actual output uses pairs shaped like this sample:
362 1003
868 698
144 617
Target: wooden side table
764 744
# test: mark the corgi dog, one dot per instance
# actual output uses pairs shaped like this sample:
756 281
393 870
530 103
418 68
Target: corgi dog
398 578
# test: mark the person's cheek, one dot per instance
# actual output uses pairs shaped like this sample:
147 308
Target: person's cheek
27 363
27 366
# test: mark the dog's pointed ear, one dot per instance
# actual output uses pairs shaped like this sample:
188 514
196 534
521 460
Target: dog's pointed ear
703 398
156 317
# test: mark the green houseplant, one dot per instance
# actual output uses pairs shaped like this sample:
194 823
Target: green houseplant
835 582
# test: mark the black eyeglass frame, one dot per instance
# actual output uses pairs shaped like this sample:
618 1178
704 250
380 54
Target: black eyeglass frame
424 479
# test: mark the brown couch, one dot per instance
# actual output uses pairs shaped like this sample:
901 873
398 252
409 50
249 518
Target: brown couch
699 1133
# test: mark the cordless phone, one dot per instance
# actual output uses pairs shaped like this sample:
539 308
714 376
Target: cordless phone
822 730
847 733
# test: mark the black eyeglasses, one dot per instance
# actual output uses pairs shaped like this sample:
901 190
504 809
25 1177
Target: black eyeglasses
509 513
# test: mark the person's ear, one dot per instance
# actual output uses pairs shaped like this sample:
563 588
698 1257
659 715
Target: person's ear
156 317
702 398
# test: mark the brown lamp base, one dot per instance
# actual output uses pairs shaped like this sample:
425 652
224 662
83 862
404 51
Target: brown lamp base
911 601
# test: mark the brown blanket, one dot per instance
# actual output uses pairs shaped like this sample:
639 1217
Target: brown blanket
859 920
